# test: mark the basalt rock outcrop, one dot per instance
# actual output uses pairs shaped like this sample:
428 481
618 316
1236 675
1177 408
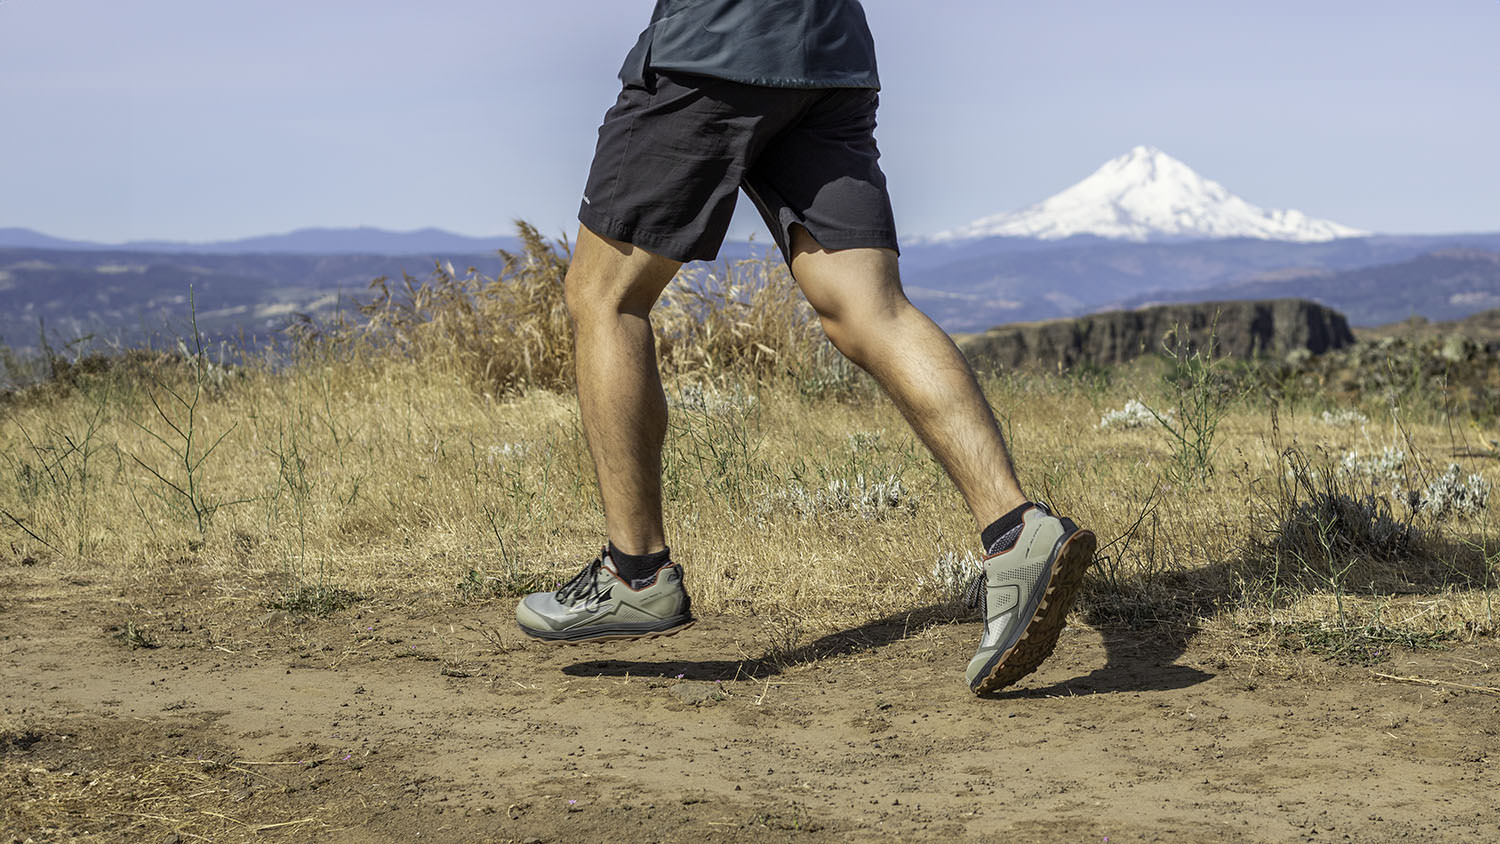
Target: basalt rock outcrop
1272 328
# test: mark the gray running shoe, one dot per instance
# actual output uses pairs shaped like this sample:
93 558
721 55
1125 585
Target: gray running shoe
1024 596
598 604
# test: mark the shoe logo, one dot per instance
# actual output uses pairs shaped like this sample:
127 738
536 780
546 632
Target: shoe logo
596 602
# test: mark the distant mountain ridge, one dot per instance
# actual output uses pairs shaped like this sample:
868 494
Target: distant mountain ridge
1445 284
971 286
1144 228
362 240
1147 195
964 286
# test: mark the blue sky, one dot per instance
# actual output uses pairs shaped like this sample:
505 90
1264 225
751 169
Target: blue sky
194 120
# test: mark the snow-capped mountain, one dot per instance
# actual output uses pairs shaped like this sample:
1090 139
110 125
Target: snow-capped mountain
1146 194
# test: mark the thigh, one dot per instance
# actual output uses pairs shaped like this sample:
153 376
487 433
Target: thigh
822 172
857 284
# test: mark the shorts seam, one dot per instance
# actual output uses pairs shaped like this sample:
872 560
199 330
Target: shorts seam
635 119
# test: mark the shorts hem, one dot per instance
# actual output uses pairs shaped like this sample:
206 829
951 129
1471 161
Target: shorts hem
835 240
663 245
855 239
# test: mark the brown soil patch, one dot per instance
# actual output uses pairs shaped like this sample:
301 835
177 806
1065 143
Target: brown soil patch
388 723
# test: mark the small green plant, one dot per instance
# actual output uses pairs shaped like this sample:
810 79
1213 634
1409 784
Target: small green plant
511 579
135 637
1201 394
181 477
481 585
297 485
60 465
1368 644
719 442
315 600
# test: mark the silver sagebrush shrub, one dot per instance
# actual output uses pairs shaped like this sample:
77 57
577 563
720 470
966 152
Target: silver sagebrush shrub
1345 418
1132 415
1453 494
1388 468
951 575
863 497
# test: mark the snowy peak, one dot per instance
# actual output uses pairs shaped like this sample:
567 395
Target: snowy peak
1146 194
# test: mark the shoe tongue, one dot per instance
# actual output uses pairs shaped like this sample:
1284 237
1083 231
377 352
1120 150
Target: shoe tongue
607 564
1006 542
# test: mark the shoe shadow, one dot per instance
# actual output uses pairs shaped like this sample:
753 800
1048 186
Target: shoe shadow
1145 628
866 637
1135 661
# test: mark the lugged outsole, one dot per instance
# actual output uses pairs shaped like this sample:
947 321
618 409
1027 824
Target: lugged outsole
1040 636
612 637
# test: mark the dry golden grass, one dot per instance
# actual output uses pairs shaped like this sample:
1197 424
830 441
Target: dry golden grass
434 454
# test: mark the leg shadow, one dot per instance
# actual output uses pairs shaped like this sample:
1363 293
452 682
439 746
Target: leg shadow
865 637
1136 660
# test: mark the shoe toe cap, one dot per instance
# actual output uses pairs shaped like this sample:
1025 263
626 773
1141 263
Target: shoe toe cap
538 611
975 669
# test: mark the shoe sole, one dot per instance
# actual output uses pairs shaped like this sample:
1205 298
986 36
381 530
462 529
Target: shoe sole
582 637
1072 557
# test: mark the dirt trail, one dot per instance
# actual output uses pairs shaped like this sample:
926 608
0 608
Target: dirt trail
387 723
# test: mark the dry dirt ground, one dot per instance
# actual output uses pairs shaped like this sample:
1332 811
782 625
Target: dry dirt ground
403 721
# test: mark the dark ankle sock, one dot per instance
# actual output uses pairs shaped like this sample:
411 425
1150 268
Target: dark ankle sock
633 567
1002 533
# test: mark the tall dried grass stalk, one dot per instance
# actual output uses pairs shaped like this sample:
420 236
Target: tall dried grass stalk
502 334
511 333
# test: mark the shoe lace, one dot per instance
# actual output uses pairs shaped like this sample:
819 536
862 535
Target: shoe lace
583 586
974 594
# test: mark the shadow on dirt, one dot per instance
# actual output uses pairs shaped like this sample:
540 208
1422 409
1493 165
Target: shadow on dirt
1138 660
1146 625
866 637
1135 661
1148 616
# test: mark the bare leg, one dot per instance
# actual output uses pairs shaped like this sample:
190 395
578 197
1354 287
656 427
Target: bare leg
610 289
857 294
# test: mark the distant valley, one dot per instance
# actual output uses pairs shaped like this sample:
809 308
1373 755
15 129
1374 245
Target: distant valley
1142 229
1447 284
977 285
127 297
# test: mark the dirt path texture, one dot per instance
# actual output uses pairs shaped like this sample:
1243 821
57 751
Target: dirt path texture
180 717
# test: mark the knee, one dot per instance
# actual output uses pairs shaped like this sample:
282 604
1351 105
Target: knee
589 304
577 299
590 300
861 334
843 338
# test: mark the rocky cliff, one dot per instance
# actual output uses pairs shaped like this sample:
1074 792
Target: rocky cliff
1240 329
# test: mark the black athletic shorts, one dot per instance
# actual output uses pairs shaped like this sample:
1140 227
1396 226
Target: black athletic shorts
673 151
